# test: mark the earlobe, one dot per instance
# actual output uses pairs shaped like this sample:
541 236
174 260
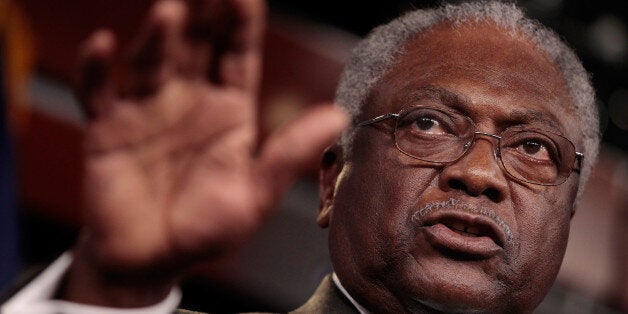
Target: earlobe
324 215
331 164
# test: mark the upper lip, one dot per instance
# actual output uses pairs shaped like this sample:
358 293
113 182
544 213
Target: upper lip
477 224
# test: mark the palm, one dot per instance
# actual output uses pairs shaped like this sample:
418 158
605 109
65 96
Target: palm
171 170
172 184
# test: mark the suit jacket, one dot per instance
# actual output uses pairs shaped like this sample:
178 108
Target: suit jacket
326 299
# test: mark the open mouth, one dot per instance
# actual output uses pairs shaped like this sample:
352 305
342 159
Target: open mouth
464 233
472 227
460 228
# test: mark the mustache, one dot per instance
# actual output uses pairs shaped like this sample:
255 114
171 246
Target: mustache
457 204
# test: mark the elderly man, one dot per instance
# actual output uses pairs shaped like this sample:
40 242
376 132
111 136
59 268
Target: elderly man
472 132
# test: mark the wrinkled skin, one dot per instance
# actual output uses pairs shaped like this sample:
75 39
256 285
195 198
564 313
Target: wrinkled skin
384 259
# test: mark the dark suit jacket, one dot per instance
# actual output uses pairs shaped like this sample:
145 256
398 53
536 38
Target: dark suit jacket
326 299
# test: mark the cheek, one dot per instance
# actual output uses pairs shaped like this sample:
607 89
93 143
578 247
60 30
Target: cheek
543 228
375 199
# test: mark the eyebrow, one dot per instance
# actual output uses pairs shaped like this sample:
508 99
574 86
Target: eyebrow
461 103
446 97
530 116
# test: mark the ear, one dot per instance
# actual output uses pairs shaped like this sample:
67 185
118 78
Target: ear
331 165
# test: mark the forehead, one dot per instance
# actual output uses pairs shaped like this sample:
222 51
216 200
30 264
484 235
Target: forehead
482 70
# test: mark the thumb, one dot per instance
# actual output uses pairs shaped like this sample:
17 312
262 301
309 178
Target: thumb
289 151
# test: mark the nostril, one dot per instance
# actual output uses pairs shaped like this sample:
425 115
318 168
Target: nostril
457 185
492 193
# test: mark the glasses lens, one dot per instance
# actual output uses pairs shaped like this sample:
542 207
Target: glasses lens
433 135
536 157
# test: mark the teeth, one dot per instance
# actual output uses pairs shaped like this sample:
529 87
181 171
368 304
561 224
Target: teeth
458 226
464 229
473 230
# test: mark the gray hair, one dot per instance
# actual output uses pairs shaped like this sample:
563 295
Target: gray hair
374 55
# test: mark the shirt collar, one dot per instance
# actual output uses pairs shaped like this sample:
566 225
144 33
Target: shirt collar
355 303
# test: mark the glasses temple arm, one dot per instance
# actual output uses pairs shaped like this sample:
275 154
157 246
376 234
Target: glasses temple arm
379 118
579 158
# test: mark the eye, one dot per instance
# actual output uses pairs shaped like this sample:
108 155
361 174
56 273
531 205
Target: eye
535 149
430 125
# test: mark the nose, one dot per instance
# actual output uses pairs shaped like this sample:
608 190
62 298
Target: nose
477 172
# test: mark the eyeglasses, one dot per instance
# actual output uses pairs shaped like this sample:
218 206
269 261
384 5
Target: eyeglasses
439 136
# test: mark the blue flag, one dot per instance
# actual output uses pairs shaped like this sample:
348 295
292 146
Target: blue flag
9 256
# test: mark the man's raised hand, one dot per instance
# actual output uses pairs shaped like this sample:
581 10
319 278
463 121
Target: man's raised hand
173 171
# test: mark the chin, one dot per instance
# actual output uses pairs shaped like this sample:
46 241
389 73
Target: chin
456 301
457 298
454 288
452 308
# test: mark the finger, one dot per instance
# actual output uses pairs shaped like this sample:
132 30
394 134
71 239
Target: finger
240 63
289 152
232 30
154 53
203 23
95 88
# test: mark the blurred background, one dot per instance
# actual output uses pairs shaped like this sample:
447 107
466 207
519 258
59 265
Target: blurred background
307 44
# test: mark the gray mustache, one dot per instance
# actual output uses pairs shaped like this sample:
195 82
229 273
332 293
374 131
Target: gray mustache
456 204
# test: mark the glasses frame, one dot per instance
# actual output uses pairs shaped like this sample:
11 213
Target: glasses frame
578 158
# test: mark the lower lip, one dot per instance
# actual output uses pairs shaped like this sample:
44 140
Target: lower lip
442 237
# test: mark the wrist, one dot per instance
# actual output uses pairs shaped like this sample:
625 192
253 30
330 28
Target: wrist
88 282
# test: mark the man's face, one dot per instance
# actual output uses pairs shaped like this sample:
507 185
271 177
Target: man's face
516 232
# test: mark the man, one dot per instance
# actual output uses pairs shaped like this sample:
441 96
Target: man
472 131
